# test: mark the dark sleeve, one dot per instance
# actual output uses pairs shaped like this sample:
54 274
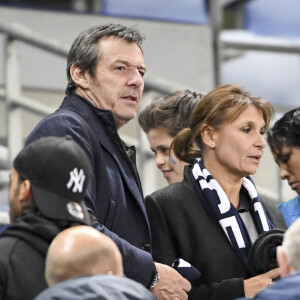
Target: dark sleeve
226 290
138 264
62 124
163 245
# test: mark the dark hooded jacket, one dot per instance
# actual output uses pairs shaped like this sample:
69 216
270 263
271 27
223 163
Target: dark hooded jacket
23 249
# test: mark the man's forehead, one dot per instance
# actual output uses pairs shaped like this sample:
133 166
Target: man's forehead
127 62
116 47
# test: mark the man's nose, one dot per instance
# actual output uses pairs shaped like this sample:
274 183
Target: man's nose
135 77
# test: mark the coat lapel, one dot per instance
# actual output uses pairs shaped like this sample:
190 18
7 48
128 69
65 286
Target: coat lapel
102 122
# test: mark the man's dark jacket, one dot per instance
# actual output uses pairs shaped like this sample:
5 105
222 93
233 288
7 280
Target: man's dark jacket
115 197
182 228
23 249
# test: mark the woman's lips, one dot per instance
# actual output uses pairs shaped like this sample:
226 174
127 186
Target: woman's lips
255 159
167 173
293 185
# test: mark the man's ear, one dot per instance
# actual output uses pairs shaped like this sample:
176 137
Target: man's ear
283 263
79 77
208 136
25 191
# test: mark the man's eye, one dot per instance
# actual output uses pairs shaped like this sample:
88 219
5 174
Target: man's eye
121 68
142 73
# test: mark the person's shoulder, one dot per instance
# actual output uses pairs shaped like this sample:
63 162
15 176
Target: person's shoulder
269 204
64 121
110 287
8 244
125 285
285 288
58 123
291 204
172 190
173 193
71 106
7 239
274 213
290 210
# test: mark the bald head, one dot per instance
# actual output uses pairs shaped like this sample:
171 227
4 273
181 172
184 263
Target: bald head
81 251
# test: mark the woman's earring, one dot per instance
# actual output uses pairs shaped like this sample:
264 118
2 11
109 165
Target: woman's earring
213 145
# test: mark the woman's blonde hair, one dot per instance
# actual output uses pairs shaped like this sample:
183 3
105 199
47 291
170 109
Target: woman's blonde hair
220 106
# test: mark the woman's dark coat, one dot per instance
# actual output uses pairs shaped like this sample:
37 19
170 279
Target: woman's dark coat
181 228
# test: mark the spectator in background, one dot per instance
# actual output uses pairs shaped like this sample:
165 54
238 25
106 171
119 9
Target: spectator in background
288 257
83 263
105 70
284 141
213 216
49 180
161 120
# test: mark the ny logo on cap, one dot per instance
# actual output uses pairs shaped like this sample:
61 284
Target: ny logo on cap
76 180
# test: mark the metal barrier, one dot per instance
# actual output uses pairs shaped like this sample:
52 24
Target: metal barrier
14 101
241 39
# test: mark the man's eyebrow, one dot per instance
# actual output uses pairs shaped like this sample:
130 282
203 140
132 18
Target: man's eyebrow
142 68
127 63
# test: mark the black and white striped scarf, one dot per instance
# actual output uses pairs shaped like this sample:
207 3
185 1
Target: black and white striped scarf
219 206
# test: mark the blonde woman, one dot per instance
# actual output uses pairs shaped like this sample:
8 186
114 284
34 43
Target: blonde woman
213 216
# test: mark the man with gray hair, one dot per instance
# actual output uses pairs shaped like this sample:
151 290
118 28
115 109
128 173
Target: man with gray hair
105 71
288 258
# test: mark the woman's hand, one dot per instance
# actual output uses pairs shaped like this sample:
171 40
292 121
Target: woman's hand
254 285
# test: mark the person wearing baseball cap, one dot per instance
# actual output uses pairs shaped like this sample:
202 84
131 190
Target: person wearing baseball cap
49 180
